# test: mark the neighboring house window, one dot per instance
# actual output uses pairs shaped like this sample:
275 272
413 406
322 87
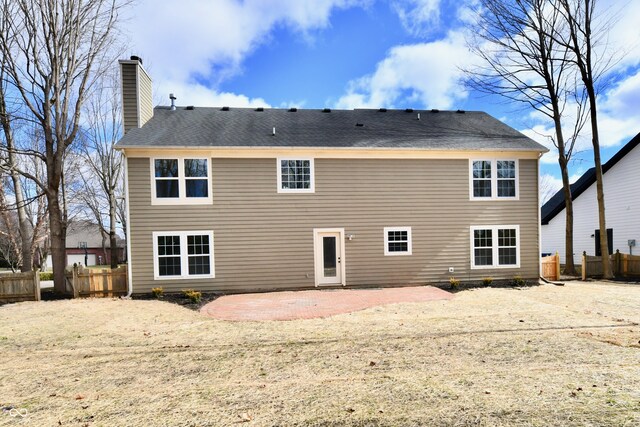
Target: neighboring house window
494 179
295 175
183 254
397 240
495 246
181 181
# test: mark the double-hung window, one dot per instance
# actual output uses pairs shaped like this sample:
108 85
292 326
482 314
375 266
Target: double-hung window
296 175
397 240
181 180
183 254
495 246
494 179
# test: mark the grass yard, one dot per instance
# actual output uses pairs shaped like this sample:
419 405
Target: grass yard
543 356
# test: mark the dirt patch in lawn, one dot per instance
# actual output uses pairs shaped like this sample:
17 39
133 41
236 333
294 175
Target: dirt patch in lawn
489 357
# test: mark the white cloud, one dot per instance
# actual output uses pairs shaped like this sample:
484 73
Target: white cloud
418 17
192 41
427 73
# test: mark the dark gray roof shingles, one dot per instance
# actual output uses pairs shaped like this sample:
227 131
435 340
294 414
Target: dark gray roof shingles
246 127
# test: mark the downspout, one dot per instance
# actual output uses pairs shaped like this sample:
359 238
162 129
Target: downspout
126 202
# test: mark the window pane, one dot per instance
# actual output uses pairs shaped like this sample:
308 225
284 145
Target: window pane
482 238
506 188
169 266
195 167
481 188
507 256
506 169
482 169
398 247
199 265
197 188
329 256
483 256
198 245
168 245
167 188
296 174
506 237
166 168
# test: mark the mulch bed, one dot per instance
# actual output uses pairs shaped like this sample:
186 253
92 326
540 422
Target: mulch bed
180 299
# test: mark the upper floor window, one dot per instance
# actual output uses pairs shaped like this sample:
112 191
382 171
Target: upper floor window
494 179
296 175
181 181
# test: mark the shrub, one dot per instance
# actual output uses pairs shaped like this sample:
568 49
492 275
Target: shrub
455 283
157 292
46 275
193 296
487 281
519 281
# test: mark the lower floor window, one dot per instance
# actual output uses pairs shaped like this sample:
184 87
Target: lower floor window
183 254
495 246
397 240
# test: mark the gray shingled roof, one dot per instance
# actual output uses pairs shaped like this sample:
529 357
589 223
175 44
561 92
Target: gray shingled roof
247 127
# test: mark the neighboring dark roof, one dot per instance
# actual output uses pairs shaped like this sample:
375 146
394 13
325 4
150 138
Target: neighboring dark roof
556 204
248 127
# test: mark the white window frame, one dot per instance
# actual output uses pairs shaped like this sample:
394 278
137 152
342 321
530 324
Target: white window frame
184 256
182 183
494 179
494 246
386 241
312 176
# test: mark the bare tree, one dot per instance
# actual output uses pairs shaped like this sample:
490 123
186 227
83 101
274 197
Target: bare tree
54 51
104 180
579 38
521 61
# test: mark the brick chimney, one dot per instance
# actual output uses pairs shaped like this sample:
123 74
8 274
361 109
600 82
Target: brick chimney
137 104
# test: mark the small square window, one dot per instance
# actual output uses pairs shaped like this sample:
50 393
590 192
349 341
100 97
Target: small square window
397 241
295 176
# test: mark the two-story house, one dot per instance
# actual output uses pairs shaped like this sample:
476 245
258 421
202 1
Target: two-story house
258 199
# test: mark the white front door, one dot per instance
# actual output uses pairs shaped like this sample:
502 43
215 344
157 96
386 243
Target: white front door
329 256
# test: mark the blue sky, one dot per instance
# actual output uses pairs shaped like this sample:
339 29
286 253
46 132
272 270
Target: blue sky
355 53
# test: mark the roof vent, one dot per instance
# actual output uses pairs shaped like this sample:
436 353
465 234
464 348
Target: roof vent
173 101
260 109
190 107
224 109
418 116
360 125
273 132
136 58
383 110
326 110
408 110
293 109
460 111
435 110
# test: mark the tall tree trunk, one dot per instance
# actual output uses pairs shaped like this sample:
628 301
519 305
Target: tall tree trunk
113 241
58 233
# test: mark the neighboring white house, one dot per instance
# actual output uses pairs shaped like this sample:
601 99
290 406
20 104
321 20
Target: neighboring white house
622 208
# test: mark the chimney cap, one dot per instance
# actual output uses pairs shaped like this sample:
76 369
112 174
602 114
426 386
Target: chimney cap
136 58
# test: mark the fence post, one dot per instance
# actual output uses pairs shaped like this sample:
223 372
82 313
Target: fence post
36 284
584 265
74 280
557 262
616 264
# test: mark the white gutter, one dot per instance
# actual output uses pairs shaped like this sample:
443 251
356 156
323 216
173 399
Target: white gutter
126 195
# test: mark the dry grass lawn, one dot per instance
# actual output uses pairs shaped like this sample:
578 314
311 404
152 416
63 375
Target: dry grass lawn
543 356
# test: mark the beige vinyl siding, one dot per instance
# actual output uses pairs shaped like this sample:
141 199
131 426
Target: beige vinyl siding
264 240
146 102
129 96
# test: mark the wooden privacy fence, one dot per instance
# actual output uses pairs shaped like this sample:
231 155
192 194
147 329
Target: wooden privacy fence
20 287
624 266
84 282
551 267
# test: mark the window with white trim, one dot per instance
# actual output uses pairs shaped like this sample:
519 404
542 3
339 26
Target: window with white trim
295 175
397 241
494 179
495 246
183 254
181 180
